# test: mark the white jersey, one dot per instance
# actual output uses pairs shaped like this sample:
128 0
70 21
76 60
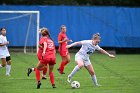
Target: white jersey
3 49
87 48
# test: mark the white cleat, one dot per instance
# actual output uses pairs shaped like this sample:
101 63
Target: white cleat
98 85
69 79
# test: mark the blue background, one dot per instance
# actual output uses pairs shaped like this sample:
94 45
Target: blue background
118 26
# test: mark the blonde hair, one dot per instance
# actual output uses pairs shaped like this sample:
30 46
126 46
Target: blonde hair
96 36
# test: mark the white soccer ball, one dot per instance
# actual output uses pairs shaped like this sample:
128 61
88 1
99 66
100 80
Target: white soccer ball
75 84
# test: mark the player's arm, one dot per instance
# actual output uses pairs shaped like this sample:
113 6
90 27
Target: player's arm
3 44
105 52
40 46
74 44
59 41
44 49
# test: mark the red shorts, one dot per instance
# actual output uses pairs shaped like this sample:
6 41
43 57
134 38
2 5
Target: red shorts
50 61
64 53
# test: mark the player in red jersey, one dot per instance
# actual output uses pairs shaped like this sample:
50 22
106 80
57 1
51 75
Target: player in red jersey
64 53
39 55
47 58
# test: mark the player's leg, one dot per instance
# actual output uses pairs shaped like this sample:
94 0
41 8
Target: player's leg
65 60
92 73
61 67
29 71
3 60
8 66
37 72
44 72
79 65
51 75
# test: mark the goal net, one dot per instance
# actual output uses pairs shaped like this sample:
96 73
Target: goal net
22 29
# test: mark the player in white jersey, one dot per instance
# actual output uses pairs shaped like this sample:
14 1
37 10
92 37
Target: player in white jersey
82 56
4 53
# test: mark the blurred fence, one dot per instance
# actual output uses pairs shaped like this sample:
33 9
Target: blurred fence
118 26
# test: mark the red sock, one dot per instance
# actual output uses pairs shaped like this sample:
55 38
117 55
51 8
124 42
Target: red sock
62 67
37 73
44 71
51 77
66 63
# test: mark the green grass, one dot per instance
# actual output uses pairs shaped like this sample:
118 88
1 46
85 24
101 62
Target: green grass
119 75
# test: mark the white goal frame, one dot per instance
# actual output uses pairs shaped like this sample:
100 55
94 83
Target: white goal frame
38 22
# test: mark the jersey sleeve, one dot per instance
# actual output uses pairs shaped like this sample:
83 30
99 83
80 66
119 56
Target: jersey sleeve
84 42
98 47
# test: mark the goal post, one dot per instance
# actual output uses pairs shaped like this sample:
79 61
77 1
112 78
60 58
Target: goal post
36 23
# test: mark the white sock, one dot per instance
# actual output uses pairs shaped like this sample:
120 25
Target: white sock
94 80
0 66
74 71
8 69
32 69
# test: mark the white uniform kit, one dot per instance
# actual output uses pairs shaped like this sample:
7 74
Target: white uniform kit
3 49
4 53
83 55
85 51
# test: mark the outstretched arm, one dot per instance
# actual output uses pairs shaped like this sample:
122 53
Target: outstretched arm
105 52
73 44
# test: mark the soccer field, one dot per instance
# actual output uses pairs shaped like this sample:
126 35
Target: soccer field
118 75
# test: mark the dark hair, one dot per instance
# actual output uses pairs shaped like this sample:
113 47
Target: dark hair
45 31
2 28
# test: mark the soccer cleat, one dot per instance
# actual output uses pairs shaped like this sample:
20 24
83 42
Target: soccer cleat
38 84
29 71
44 78
53 85
69 79
98 85
7 74
59 71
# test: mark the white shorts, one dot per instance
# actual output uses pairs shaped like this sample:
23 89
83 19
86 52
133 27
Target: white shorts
84 59
4 54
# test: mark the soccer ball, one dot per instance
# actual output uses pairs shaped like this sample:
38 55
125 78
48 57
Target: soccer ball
75 84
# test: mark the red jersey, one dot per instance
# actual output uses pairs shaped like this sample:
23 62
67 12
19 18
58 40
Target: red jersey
62 46
50 50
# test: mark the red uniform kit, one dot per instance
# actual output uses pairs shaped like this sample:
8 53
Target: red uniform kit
63 51
49 57
62 47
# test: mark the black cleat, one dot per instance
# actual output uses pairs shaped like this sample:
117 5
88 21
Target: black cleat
44 78
59 71
38 84
53 85
29 71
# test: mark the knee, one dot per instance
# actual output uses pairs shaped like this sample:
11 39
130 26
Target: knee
80 65
68 60
9 63
38 68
